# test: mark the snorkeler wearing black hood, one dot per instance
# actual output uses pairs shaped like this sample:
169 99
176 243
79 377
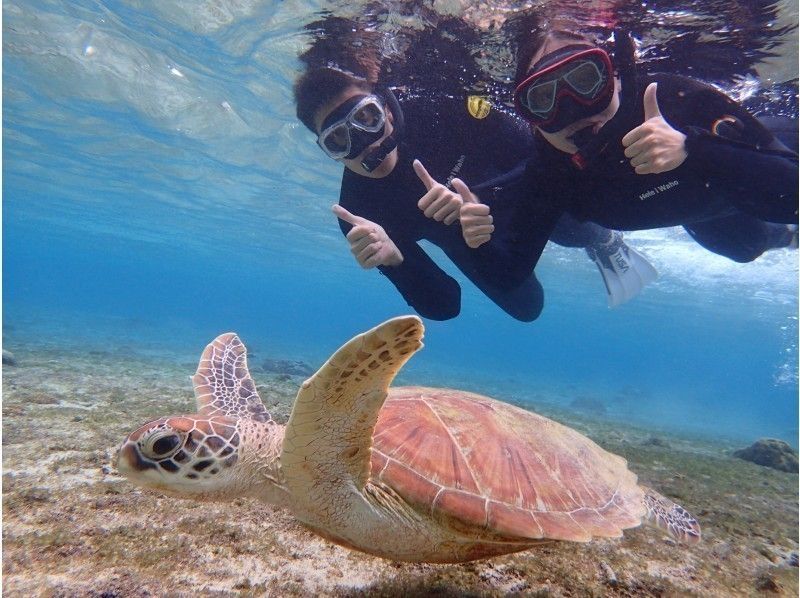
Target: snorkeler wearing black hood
400 159
628 154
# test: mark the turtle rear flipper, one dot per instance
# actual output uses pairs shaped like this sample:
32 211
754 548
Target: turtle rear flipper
670 517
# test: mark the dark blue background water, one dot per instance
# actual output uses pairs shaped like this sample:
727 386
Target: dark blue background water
155 210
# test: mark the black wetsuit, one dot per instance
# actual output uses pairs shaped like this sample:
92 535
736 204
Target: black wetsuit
742 237
450 143
725 193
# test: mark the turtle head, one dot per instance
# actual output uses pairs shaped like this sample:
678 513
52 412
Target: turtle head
188 455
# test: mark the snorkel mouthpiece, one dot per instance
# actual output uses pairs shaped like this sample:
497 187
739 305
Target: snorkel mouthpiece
582 139
375 157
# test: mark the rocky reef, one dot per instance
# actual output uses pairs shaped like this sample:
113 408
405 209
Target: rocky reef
770 452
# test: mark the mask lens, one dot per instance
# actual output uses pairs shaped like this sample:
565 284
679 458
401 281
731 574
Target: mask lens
337 139
584 78
369 116
540 98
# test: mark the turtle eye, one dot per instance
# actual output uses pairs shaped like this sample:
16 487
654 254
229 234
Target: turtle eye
162 445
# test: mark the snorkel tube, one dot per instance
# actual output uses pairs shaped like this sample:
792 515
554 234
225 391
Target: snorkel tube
375 157
589 145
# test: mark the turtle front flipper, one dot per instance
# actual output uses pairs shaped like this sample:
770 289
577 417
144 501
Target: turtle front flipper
670 517
326 449
222 383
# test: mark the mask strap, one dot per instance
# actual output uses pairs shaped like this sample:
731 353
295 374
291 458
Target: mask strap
375 157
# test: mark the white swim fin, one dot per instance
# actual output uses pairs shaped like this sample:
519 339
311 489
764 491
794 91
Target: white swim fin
625 271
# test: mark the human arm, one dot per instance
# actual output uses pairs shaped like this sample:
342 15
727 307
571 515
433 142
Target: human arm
728 149
508 229
438 202
369 243
762 182
654 146
477 222
425 287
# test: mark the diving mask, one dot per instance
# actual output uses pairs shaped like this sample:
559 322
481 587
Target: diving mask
565 86
352 127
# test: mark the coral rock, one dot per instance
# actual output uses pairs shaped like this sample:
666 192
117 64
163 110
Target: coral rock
770 452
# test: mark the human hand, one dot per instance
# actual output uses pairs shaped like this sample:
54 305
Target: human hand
654 146
369 243
439 202
476 221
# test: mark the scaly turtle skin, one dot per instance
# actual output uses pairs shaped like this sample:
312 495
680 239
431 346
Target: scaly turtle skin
408 473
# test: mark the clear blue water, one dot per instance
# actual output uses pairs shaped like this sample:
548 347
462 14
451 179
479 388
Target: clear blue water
157 191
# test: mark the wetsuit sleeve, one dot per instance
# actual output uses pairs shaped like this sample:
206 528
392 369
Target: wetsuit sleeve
567 232
428 289
523 302
523 220
734 150
489 188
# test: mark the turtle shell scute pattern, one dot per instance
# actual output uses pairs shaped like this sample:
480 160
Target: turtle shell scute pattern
480 465
222 383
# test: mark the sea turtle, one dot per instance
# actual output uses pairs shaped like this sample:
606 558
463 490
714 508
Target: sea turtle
407 473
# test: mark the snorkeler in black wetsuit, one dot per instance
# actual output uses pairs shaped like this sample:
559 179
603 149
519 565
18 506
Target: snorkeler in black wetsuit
389 201
663 151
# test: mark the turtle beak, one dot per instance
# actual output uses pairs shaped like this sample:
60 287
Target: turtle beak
129 460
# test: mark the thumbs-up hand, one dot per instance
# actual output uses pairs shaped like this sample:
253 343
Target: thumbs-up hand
476 221
369 243
439 202
654 146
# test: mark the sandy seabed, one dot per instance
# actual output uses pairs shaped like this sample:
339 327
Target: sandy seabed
72 527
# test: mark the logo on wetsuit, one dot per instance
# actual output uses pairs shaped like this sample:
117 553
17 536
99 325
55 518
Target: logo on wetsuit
478 107
455 170
729 127
656 190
